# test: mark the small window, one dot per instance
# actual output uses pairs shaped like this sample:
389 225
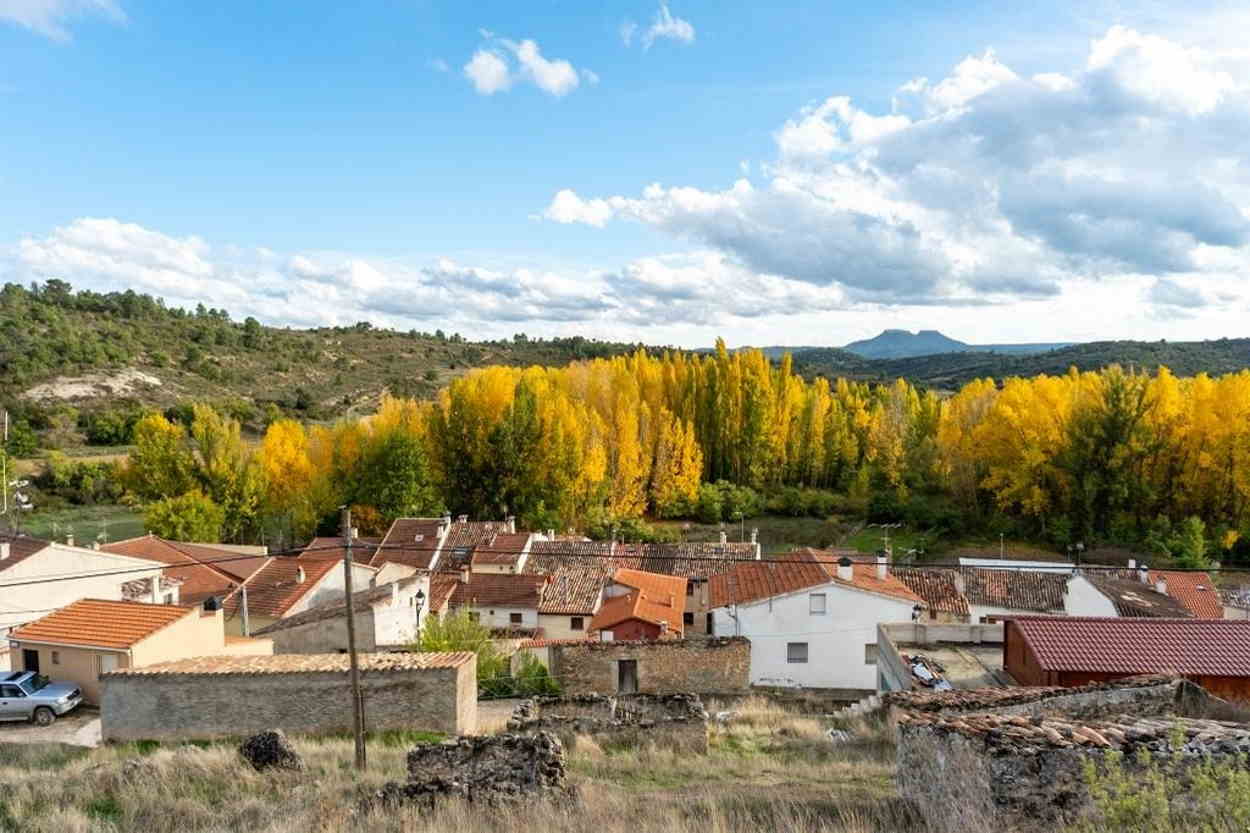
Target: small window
514 618
56 657
816 603
576 624
796 652
687 618
474 616
690 588
870 654
169 598
11 691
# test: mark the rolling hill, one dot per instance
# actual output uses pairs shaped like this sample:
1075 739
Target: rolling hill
901 344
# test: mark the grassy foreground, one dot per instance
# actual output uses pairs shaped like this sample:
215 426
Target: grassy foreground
769 770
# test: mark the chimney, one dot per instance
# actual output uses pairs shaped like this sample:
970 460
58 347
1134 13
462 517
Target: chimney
1161 586
95 545
755 535
1132 563
1143 573
300 575
156 589
724 537
882 565
464 574
69 539
394 594
845 572
4 550
510 522
462 519
961 586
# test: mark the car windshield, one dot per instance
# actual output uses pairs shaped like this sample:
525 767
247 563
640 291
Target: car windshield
36 683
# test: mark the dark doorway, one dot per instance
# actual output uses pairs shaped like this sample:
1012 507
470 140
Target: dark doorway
710 627
627 676
30 660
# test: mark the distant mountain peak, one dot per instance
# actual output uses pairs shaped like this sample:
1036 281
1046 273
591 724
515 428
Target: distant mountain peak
898 344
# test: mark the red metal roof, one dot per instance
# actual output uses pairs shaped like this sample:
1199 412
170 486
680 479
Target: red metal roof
1116 645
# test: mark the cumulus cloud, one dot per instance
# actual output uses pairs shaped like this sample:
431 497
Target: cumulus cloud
989 186
500 64
1169 293
52 17
665 26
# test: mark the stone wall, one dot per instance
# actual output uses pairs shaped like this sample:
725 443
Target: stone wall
674 721
702 666
189 706
976 771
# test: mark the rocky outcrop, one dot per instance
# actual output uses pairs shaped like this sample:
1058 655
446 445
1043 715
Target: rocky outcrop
270 750
483 770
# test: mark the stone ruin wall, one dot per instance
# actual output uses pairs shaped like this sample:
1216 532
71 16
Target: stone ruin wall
674 721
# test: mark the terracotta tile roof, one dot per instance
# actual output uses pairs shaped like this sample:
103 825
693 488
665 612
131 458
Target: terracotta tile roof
864 577
690 560
277 586
300 664
1114 645
1195 591
1015 589
442 585
21 547
498 589
103 624
410 541
547 643
338 608
578 570
794 571
503 549
195 565
463 538
1132 597
937 587
656 599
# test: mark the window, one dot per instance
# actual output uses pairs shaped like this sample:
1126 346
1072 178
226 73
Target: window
870 654
687 618
474 616
9 692
690 588
796 652
107 662
816 603
514 618
169 598
576 624
56 657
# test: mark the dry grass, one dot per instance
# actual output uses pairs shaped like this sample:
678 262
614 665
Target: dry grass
769 770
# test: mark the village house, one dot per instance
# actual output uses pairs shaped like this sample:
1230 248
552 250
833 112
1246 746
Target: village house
502 601
811 619
91 637
287 585
574 589
202 570
1073 651
640 605
1104 593
433 544
26 561
386 617
942 591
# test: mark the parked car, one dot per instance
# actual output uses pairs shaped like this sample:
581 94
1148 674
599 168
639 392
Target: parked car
26 695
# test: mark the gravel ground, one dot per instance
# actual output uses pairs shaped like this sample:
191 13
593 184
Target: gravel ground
81 727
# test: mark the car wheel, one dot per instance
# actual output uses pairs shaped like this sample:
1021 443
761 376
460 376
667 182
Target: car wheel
44 716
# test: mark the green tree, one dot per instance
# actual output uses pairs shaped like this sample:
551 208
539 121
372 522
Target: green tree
395 478
161 465
458 631
192 516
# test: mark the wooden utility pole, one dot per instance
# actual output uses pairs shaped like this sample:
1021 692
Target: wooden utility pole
358 706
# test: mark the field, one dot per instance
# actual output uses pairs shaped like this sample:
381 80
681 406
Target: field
768 770
87 523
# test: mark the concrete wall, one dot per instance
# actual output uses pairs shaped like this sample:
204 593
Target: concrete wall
188 706
59 559
895 675
701 666
1083 599
195 635
837 640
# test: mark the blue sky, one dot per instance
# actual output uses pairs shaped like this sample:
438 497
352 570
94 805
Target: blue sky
485 165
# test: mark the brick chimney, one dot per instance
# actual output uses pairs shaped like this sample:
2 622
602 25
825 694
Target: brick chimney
1132 563
883 565
300 575
845 571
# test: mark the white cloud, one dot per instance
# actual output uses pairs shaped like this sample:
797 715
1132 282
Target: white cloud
52 17
664 26
986 186
490 70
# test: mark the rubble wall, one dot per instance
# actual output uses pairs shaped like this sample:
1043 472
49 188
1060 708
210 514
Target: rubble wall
718 665
673 721
202 706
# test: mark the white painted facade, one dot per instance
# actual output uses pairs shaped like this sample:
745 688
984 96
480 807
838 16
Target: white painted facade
99 578
332 587
976 612
393 571
501 617
1084 599
559 626
395 617
840 643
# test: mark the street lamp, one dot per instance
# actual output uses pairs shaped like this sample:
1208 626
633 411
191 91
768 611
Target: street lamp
418 601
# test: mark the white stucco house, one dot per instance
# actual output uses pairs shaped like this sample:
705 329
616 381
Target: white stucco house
387 616
811 617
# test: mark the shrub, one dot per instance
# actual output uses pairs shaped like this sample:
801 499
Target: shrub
192 516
